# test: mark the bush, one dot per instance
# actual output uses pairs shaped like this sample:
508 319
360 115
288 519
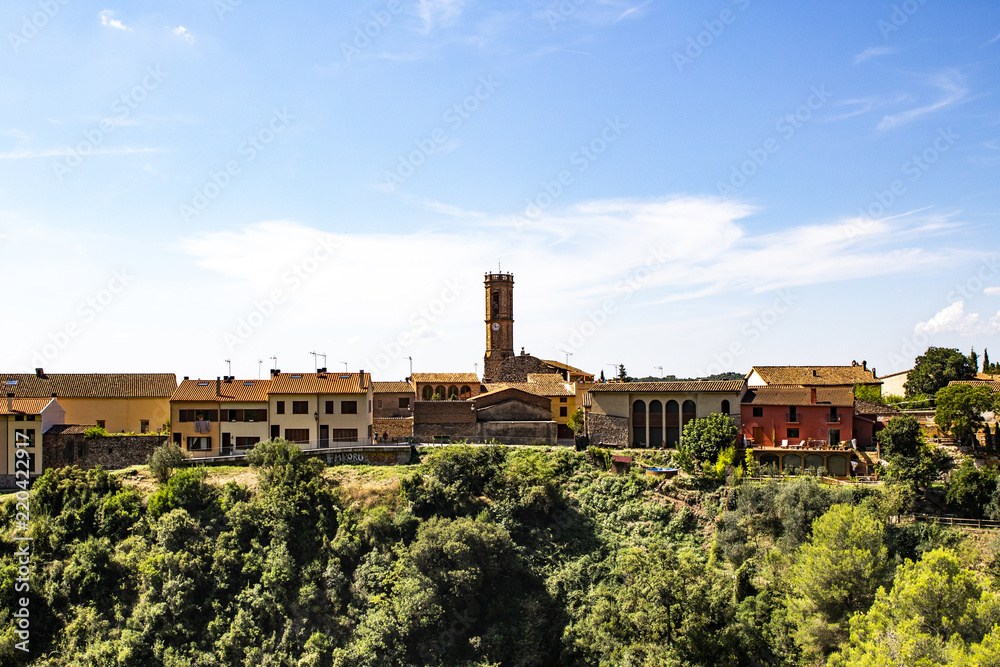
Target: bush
95 432
164 460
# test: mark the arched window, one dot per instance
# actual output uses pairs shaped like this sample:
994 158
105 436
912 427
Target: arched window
452 393
656 424
439 391
688 412
791 463
427 392
466 392
672 424
725 407
639 423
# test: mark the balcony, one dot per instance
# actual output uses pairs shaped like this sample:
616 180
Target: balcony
792 417
833 419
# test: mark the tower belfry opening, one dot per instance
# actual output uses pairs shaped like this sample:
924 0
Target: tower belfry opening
499 322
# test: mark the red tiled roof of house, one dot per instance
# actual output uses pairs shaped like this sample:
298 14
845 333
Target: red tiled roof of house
815 376
467 378
994 386
89 385
869 408
536 388
320 383
392 387
24 406
677 386
798 396
235 391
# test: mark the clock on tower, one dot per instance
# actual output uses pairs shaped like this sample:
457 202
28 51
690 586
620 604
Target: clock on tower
499 322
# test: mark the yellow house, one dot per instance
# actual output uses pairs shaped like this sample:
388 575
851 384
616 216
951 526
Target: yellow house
119 402
318 409
219 417
24 421
562 394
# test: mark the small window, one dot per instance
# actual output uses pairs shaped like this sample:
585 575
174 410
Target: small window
177 439
100 423
296 377
344 377
19 418
328 407
29 418
249 383
758 412
562 412
793 433
562 399
11 383
202 384
380 403
144 426
279 407
197 443
404 403
725 407
348 407
24 435
300 407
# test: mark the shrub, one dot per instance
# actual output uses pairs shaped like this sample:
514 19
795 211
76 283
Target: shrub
164 460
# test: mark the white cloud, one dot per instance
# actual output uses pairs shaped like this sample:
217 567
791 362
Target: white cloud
954 319
992 291
184 34
439 13
874 52
949 83
107 19
632 12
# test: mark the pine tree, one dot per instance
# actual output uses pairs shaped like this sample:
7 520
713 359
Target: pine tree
974 358
986 360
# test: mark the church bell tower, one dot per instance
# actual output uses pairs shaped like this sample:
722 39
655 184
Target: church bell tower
499 323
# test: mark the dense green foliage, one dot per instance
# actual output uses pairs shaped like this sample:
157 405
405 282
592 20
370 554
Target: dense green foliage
164 460
935 368
910 458
480 556
705 438
958 409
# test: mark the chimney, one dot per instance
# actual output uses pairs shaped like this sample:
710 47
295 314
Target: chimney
814 372
10 401
873 372
40 372
854 362
361 379
812 394
218 386
864 365
186 377
275 371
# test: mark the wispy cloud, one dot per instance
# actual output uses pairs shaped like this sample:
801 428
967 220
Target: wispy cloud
632 12
439 13
993 41
992 291
62 152
184 34
949 83
874 52
107 19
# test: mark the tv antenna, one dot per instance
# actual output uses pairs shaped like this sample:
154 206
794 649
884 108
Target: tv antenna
316 356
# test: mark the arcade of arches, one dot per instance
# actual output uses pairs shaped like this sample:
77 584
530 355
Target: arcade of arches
450 392
655 424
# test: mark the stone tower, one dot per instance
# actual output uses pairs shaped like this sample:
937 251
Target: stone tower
499 322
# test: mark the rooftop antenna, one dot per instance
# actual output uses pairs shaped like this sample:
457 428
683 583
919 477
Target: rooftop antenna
659 368
345 365
411 369
275 360
475 368
568 355
229 363
316 355
260 362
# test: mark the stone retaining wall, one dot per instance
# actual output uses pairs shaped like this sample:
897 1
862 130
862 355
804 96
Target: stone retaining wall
109 452
607 430
397 427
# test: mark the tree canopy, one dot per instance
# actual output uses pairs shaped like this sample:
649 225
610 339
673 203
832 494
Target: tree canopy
705 438
935 368
958 409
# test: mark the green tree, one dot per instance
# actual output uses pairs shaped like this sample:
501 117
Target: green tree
705 438
971 488
937 612
575 421
959 410
836 574
164 460
935 368
974 358
911 460
623 374
870 393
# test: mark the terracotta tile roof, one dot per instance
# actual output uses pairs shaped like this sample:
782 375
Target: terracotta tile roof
536 388
510 394
68 429
89 385
892 375
798 396
994 386
566 367
663 387
392 387
467 378
24 406
815 376
237 391
320 383
869 408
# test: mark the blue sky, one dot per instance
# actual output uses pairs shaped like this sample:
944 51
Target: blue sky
697 188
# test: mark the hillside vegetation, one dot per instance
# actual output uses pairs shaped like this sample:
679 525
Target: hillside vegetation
483 556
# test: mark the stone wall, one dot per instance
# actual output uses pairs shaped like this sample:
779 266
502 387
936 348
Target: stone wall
443 412
516 369
428 432
109 452
514 411
398 428
519 432
607 430
374 455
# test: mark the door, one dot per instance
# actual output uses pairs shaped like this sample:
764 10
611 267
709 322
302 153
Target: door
758 435
227 444
834 437
324 435
275 431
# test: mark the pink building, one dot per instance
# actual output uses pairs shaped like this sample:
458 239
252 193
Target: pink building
783 415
